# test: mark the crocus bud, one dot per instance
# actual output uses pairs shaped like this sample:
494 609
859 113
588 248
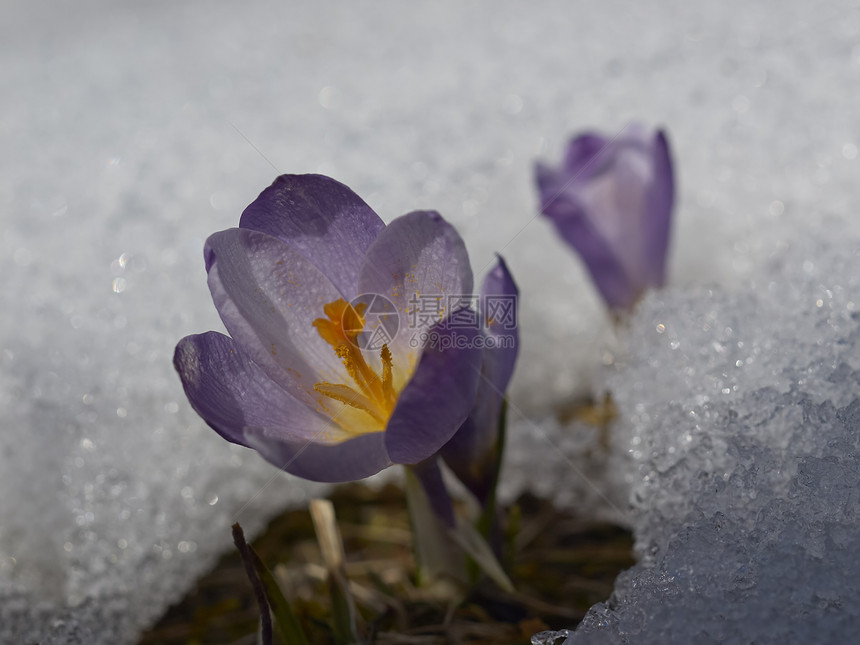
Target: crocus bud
611 200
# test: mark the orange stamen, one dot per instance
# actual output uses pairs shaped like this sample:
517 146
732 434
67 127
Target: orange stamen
374 395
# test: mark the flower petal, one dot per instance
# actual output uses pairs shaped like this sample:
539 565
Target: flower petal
501 324
320 217
231 392
349 460
268 296
418 262
471 452
583 154
575 226
438 397
658 216
615 210
429 475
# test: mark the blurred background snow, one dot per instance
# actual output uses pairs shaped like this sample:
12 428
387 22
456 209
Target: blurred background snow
131 131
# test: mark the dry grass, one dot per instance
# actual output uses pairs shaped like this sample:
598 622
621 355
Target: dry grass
559 564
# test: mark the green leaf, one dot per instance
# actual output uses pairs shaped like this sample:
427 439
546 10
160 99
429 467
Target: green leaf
247 554
287 624
512 531
474 544
430 542
487 520
342 610
269 595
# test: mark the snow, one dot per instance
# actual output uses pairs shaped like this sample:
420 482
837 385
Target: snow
132 131
742 420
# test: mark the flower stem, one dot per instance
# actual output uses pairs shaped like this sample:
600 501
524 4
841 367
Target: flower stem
436 531
488 522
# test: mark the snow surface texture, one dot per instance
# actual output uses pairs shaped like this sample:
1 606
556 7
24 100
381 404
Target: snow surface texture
131 131
742 416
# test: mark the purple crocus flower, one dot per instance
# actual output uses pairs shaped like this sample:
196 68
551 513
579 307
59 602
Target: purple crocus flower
611 200
295 380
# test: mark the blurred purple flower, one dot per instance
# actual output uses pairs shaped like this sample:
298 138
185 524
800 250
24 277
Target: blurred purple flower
293 381
611 200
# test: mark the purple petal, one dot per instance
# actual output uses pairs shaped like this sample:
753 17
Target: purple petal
231 393
268 296
555 198
501 324
320 217
437 398
618 203
617 213
471 452
659 212
238 400
418 261
316 460
583 153
216 378
430 476
576 228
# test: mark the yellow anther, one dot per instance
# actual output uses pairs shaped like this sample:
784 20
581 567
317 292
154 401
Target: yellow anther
344 322
387 379
346 394
374 395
